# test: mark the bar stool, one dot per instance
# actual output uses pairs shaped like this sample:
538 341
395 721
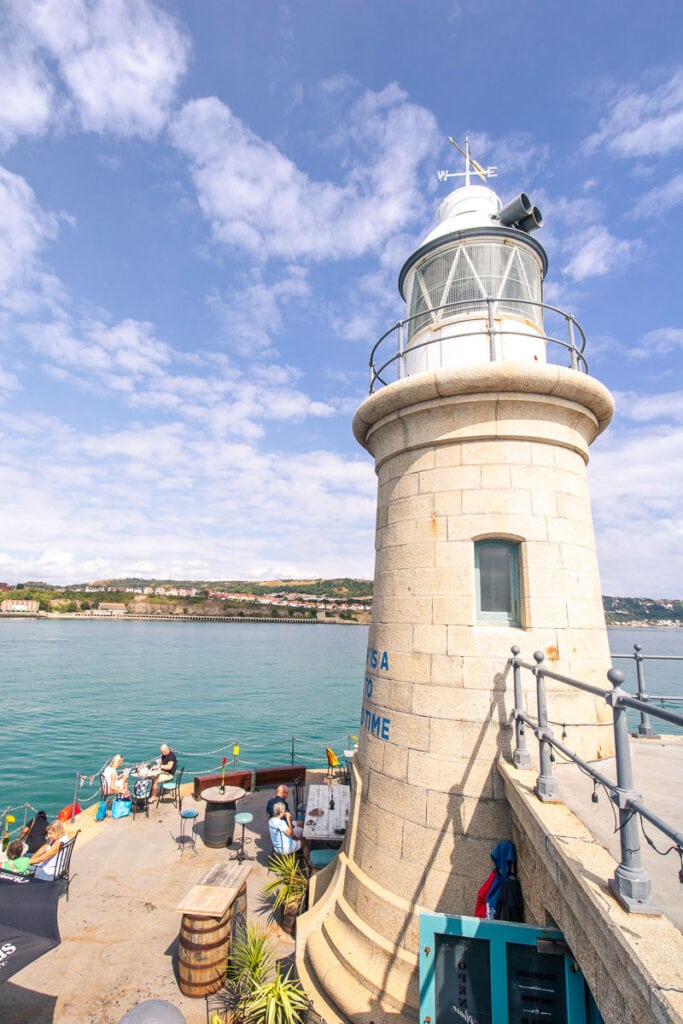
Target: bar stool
186 816
244 818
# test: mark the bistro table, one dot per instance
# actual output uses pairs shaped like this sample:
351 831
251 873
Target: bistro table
322 822
219 818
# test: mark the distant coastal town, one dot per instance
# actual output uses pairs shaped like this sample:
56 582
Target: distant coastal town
327 601
341 600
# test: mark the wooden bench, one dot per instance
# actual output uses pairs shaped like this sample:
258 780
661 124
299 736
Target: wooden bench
261 778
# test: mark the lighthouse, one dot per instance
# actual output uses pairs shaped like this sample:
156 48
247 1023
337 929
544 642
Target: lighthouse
479 419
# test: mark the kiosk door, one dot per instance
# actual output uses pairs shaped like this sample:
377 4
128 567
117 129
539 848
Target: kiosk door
474 971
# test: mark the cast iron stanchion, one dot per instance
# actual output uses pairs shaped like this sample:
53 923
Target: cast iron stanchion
521 757
631 883
645 727
546 783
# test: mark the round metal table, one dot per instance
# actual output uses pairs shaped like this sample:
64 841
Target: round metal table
219 818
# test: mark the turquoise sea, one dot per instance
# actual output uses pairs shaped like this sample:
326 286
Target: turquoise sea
75 692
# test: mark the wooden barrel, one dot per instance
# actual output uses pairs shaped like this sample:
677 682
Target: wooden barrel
203 947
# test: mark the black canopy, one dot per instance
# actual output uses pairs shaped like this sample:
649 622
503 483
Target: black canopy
28 922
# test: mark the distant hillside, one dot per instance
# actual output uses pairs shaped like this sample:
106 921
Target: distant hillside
343 587
618 610
641 609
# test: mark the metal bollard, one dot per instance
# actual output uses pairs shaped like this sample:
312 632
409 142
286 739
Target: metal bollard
631 883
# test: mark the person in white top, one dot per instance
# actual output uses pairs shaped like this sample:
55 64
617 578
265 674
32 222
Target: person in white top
116 783
45 859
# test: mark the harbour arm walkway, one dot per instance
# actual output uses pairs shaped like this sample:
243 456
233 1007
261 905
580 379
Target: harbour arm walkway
658 775
120 927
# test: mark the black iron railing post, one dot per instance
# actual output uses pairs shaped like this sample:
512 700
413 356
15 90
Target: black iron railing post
546 784
631 883
645 727
521 757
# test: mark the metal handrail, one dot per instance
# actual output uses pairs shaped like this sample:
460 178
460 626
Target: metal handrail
631 883
487 308
645 727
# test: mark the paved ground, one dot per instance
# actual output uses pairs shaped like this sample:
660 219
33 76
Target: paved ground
120 928
658 777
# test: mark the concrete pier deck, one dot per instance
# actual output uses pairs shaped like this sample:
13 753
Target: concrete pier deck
658 775
120 928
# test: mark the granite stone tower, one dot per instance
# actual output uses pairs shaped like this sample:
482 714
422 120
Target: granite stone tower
479 420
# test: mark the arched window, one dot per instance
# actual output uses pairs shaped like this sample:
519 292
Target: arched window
496 564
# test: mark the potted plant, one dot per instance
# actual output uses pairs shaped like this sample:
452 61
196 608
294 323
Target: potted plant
287 889
280 1001
252 994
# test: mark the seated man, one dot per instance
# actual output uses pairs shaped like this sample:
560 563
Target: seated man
282 835
281 794
167 767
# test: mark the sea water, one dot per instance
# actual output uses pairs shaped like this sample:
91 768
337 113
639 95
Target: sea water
75 692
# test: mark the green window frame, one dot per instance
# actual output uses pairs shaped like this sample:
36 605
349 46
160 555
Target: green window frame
496 566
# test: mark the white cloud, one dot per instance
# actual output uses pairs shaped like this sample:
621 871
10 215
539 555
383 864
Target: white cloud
24 230
637 496
517 152
643 408
660 199
597 252
642 122
26 94
661 341
251 315
117 65
144 499
258 200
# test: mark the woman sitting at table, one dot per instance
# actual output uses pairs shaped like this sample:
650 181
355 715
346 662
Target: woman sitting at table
45 860
282 834
116 783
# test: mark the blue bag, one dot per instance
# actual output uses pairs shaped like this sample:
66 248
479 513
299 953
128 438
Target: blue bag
120 808
101 810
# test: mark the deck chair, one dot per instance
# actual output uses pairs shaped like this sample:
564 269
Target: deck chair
334 768
171 788
63 865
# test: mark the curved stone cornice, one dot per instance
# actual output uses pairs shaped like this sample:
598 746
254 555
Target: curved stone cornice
503 380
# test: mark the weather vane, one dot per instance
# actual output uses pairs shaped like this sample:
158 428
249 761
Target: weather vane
470 165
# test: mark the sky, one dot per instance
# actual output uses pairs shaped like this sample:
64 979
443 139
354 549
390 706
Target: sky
204 208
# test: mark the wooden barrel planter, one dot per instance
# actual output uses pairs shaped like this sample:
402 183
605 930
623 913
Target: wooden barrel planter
203 948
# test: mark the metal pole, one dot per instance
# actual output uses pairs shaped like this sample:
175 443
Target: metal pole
574 362
73 805
401 359
293 738
645 727
521 757
546 784
631 883
491 330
